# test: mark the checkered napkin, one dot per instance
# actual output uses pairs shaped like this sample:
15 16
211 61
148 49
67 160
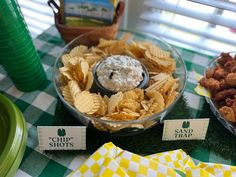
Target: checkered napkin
110 160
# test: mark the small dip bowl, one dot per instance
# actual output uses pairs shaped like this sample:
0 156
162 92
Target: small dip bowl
104 91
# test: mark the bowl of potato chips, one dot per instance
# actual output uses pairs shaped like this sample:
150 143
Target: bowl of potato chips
129 109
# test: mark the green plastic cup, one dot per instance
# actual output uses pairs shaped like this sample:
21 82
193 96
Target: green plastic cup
4 3
11 11
21 61
13 38
17 52
28 81
24 68
20 42
31 85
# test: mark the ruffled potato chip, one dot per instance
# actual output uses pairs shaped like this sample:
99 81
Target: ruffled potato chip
89 81
67 95
86 102
114 102
74 88
78 51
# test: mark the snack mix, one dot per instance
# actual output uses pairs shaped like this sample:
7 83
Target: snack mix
221 82
77 79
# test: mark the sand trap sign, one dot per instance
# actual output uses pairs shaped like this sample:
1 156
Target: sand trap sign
185 129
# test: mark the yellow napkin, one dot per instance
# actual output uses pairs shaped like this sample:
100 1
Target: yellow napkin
110 160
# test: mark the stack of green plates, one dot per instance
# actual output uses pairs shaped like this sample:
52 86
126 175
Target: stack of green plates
13 134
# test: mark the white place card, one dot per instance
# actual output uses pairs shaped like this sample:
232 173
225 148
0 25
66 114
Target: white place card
62 137
185 129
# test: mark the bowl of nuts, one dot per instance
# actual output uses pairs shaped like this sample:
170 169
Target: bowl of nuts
121 86
220 80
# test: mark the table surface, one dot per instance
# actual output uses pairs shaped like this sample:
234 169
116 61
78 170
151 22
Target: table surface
38 108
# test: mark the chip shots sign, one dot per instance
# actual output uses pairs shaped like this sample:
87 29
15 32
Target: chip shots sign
185 129
62 137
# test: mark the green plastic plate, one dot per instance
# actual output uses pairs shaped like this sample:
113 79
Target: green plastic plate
13 134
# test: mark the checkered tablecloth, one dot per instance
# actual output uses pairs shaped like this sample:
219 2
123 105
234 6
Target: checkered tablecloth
38 108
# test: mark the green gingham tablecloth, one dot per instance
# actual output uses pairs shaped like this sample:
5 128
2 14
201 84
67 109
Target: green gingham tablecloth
38 108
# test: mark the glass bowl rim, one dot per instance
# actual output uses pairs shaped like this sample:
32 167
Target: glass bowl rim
98 119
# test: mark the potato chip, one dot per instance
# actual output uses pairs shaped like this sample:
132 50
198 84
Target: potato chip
74 88
157 85
168 85
160 76
158 101
67 95
140 126
171 97
66 72
103 107
113 127
153 73
77 73
65 59
118 48
89 81
114 101
106 99
98 51
96 102
131 94
136 94
126 37
99 126
129 104
86 102
92 59
84 68
78 51
123 116
158 52
135 51
74 60
145 105
105 43
156 107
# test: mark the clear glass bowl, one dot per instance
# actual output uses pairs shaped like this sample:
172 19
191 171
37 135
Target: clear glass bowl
213 107
123 127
